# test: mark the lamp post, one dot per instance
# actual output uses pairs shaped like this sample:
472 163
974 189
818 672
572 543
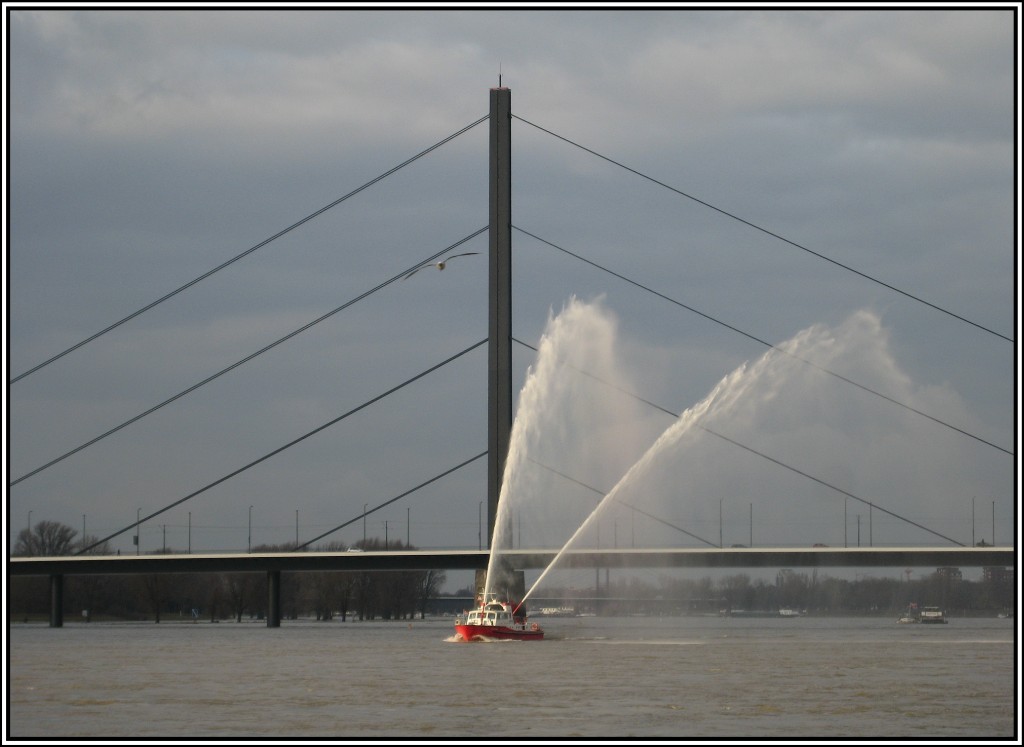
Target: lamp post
972 522
250 528
364 524
30 523
385 534
720 522
408 524
138 534
296 527
480 526
190 532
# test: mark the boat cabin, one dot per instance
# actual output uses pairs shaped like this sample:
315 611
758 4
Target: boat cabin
491 614
932 615
494 613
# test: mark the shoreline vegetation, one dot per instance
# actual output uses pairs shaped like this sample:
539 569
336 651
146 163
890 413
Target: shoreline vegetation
407 595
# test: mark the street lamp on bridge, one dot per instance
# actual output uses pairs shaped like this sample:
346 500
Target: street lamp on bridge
250 528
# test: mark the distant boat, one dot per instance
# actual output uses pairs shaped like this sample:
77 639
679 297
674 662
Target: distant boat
727 612
787 612
557 612
497 620
911 615
933 615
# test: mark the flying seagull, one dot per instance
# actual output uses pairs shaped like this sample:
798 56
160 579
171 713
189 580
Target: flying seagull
439 265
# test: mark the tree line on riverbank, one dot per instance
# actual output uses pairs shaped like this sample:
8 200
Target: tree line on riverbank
812 592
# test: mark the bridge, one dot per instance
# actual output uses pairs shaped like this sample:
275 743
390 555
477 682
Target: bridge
499 428
471 560
273 564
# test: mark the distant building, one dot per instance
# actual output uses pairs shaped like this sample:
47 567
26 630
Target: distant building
998 575
948 573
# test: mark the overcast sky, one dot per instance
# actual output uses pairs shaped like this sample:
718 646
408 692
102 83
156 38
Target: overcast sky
146 148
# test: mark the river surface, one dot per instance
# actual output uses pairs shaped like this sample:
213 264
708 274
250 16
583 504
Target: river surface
592 678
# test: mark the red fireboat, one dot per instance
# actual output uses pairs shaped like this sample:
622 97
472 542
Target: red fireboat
496 620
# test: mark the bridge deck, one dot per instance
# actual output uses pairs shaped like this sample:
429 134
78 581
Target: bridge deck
779 557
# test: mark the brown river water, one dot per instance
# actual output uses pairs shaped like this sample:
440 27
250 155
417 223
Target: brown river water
591 678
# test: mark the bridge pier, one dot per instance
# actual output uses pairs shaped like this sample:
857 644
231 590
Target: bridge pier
56 600
273 599
509 582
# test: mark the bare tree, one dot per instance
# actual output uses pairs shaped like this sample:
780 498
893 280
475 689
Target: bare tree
214 595
102 548
430 583
319 594
151 591
242 591
343 590
46 539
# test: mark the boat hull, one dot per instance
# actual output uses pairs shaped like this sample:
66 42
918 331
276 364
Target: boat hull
497 632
